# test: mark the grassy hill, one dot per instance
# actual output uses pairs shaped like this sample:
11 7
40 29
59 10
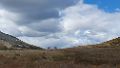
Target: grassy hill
114 43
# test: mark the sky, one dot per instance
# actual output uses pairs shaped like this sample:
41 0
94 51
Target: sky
61 23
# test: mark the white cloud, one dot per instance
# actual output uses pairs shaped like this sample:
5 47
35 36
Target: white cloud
46 42
7 22
88 24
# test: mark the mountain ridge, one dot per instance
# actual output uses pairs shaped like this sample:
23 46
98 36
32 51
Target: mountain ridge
10 42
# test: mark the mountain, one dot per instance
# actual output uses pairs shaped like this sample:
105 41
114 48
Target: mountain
114 43
10 42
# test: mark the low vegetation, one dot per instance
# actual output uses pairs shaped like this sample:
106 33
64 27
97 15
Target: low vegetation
65 58
105 55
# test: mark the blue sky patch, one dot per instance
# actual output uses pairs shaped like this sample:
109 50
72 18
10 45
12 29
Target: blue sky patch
106 5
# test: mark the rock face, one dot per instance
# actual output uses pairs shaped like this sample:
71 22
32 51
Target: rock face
11 42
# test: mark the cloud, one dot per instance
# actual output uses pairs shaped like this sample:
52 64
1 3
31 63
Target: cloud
46 42
7 24
33 10
59 23
48 25
89 24
35 15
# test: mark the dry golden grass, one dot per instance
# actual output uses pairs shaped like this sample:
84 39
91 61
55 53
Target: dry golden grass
64 58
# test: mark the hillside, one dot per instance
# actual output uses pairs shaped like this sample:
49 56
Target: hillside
114 43
11 42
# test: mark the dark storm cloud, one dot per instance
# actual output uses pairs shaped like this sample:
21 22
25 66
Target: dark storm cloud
49 25
39 17
33 10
